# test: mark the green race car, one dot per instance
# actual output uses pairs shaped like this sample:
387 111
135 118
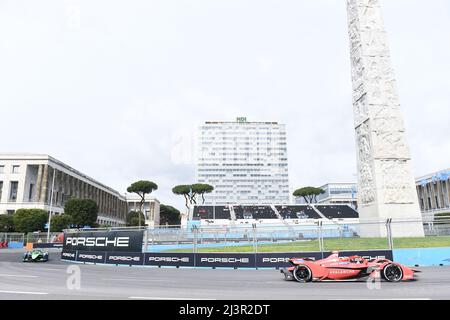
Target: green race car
35 255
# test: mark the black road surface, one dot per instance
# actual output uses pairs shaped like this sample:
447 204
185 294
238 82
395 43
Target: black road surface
57 280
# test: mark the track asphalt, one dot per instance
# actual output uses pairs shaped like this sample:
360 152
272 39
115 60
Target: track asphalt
51 280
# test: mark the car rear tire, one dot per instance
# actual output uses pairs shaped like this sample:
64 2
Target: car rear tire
392 273
302 273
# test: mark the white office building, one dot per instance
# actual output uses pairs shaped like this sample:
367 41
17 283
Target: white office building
336 193
40 181
246 162
433 191
150 208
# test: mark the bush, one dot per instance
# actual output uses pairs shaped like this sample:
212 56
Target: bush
168 215
83 212
6 223
30 220
442 214
133 218
61 222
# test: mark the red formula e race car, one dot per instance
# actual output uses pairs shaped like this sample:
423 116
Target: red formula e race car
346 268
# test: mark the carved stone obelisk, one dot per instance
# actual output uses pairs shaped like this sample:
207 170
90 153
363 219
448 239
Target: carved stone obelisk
386 186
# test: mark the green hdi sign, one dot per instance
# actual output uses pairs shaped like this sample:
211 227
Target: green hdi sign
241 119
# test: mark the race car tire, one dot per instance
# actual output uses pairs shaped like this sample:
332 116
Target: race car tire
302 273
392 273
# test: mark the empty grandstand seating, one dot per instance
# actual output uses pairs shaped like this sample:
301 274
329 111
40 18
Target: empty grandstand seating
265 213
254 212
337 211
297 212
211 212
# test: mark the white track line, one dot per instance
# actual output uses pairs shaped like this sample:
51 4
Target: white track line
24 292
166 298
17 275
49 269
134 279
369 298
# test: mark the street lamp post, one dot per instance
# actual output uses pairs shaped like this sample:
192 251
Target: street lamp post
51 206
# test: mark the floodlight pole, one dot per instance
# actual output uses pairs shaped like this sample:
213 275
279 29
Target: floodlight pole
51 206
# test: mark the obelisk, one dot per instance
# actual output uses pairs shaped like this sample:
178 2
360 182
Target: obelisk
386 187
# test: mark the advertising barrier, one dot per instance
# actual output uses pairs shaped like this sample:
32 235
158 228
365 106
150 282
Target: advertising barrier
170 259
281 260
423 256
224 260
111 241
125 258
91 256
69 255
208 260
47 245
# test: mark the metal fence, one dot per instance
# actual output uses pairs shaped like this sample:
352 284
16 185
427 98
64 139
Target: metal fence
41 237
247 238
12 237
292 237
320 235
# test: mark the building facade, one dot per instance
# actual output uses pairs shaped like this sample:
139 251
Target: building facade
337 193
26 181
246 162
433 191
150 208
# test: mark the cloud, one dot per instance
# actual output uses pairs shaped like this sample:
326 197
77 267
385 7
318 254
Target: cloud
118 90
264 64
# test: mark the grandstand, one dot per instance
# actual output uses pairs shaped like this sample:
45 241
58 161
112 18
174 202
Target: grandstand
211 213
338 211
254 212
297 212
274 215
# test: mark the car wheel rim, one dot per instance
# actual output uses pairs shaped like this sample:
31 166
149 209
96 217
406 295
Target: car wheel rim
393 273
302 273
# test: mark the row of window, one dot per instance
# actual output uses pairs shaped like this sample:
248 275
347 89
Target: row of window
247 154
14 169
203 139
436 197
270 164
223 145
251 186
208 164
234 148
232 170
263 173
280 199
242 128
255 180
242 159
245 127
254 189
13 189
248 191
235 145
238 178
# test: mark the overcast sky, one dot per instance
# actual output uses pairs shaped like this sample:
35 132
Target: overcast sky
117 89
